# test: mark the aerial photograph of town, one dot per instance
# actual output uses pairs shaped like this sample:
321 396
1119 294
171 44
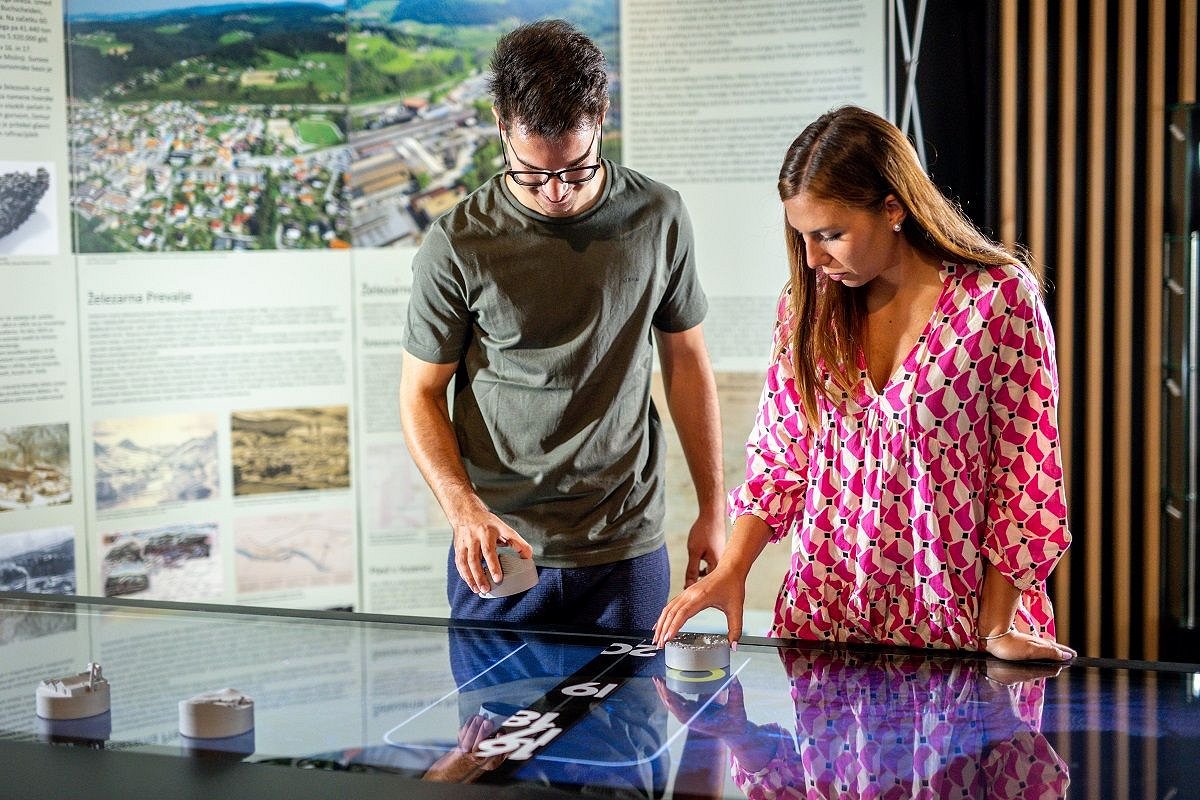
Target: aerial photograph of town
195 126
276 124
422 134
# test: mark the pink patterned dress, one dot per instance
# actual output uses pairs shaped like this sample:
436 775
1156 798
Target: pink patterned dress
899 495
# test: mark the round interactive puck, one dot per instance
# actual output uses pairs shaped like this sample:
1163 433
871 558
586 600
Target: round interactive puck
698 652
520 574
216 715
73 697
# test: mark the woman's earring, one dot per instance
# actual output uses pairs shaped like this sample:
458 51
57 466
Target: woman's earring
896 227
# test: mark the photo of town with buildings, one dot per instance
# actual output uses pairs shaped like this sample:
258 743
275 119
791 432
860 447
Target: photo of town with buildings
288 125
39 561
207 127
422 134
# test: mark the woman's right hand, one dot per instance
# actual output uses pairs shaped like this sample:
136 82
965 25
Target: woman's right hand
722 588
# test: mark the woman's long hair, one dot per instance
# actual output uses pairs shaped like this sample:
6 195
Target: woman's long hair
855 158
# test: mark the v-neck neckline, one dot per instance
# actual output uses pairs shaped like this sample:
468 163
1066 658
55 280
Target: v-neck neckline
908 364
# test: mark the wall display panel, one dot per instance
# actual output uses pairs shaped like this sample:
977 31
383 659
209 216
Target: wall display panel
42 520
714 93
218 399
219 282
404 533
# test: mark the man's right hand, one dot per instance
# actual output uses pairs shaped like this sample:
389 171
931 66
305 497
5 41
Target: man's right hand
476 536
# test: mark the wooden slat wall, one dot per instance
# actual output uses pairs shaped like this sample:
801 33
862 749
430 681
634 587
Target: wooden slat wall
1064 209
1156 109
1088 206
1095 257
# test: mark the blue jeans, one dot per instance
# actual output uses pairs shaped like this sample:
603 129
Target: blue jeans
624 596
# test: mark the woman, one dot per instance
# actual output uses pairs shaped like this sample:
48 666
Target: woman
907 435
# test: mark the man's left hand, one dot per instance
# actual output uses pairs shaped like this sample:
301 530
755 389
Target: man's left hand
706 545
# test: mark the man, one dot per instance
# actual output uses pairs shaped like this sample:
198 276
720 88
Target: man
538 295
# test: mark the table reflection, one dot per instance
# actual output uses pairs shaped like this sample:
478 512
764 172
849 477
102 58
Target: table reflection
889 726
412 699
614 747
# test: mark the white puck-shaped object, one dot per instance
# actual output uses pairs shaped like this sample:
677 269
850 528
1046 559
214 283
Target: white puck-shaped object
75 696
698 652
216 715
520 574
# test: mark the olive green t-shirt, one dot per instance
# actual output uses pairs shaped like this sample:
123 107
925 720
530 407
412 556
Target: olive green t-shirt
549 321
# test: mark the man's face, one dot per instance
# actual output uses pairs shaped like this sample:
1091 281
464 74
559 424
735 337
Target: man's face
558 196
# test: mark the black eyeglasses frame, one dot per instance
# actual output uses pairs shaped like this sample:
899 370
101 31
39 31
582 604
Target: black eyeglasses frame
519 176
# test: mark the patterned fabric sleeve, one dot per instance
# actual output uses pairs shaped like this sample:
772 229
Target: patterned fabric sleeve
777 450
1027 529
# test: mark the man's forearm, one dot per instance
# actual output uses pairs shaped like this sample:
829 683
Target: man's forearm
429 435
692 399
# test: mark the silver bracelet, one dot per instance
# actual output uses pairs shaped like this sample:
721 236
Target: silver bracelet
1011 629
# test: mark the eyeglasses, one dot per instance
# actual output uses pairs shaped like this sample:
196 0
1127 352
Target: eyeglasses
540 177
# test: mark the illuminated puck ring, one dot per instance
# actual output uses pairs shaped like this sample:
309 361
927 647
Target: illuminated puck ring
698 682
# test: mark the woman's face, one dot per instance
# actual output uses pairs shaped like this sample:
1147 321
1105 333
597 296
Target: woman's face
852 246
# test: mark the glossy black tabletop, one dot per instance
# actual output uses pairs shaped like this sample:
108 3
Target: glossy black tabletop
354 705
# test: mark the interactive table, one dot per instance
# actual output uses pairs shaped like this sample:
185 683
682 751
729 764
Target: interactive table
365 706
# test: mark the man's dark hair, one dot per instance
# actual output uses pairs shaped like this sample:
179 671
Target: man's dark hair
549 78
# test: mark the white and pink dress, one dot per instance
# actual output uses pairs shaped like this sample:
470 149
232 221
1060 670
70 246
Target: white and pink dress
894 502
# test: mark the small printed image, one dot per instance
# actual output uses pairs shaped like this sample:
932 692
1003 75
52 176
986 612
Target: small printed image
28 212
294 551
35 466
142 462
39 561
172 562
290 450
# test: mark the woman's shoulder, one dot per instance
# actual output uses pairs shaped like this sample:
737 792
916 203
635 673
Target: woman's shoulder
1012 283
